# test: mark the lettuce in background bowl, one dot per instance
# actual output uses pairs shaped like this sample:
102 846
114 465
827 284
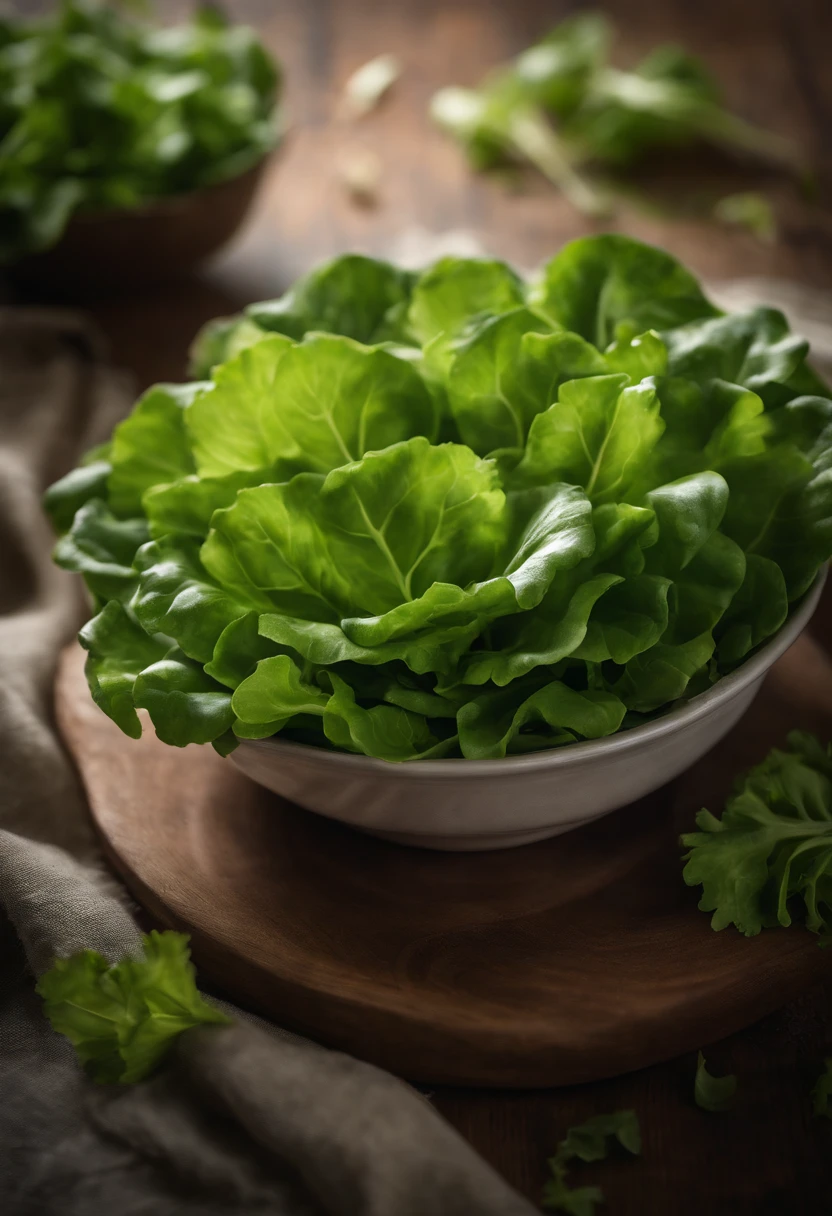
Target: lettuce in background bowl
128 150
452 515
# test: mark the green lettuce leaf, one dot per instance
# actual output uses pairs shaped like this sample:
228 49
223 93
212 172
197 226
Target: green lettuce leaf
151 447
176 597
822 1092
713 1093
453 294
374 535
220 340
491 723
510 371
65 498
753 349
272 695
232 422
756 612
238 650
595 283
101 548
661 675
386 731
558 627
119 651
637 355
595 436
772 848
588 1142
556 533
352 295
436 649
185 705
186 507
781 501
122 1019
317 405
627 619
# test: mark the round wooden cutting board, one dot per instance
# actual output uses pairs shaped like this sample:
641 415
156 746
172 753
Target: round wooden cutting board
572 959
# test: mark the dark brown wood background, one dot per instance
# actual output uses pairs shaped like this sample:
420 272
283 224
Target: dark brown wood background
770 1155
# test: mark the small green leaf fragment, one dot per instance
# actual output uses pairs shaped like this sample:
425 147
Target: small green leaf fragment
710 1092
751 211
588 1142
822 1093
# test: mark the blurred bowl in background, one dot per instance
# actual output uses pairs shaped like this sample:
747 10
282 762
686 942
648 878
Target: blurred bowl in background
160 240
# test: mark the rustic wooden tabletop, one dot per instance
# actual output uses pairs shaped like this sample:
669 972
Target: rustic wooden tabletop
769 1155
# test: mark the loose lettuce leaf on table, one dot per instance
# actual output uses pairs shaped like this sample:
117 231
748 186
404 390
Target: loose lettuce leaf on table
772 849
710 1092
822 1092
588 1142
669 100
122 1018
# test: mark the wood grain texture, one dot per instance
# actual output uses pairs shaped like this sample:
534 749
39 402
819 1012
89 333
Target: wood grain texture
579 957
770 1157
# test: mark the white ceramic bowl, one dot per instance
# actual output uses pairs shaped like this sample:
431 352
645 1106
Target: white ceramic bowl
495 804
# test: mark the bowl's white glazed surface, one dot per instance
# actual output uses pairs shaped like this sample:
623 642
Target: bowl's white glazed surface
493 804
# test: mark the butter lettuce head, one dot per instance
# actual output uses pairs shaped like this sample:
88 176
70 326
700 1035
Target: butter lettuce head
452 513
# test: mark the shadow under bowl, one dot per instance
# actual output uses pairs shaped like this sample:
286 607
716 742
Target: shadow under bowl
492 804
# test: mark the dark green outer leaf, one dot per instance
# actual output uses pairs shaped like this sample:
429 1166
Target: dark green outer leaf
352 295
595 283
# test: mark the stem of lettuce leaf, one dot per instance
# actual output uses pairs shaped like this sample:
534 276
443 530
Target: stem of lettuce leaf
530 134
733 132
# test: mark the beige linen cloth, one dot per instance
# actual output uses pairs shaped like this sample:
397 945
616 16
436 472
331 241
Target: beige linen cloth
245 1119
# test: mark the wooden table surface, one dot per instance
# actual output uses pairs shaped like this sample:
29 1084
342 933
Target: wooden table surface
770 1155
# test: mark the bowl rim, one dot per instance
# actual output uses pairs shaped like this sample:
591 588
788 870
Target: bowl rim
670 723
